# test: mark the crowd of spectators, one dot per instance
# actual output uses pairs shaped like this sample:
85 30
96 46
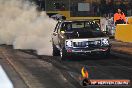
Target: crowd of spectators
102 8
110 8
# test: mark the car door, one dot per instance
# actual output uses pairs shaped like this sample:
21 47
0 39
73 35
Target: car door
61 35
61 39
55 34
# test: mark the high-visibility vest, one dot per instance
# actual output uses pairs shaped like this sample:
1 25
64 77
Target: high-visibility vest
119 16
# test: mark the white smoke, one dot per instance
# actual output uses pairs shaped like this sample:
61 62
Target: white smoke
22 26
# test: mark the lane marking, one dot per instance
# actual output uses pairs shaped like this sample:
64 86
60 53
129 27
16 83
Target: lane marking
13 65
5 82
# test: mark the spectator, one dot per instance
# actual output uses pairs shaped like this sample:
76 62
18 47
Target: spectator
119 17
95 8
111 9
103 8
62 7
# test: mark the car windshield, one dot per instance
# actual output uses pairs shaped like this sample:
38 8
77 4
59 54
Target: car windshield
80 26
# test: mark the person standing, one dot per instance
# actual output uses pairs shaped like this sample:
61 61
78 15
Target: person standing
104 23
119 17
110 8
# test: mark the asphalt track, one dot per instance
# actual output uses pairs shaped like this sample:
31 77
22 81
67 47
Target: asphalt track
50 72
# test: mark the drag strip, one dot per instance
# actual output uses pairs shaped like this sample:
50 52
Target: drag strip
48 71
14 80
35 72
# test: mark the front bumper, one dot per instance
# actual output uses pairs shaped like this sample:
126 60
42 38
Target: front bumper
99 51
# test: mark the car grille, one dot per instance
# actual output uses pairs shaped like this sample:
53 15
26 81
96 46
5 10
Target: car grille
79 44
88 44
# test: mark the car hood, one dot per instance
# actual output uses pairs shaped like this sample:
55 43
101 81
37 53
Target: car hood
86 34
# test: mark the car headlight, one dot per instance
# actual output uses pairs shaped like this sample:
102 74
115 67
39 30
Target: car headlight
105 42
68 43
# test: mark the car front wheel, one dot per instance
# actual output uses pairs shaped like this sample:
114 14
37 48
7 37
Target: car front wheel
63 54
55 52
106 54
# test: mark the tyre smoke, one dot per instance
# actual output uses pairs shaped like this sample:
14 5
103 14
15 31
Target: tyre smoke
22 26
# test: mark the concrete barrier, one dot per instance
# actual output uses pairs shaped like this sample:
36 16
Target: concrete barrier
130 20
124 32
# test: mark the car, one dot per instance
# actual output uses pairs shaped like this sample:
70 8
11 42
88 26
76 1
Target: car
79 37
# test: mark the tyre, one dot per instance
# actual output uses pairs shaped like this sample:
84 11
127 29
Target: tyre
63 54
56 52
106 54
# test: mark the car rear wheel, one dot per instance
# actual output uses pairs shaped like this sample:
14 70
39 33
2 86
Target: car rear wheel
56 52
